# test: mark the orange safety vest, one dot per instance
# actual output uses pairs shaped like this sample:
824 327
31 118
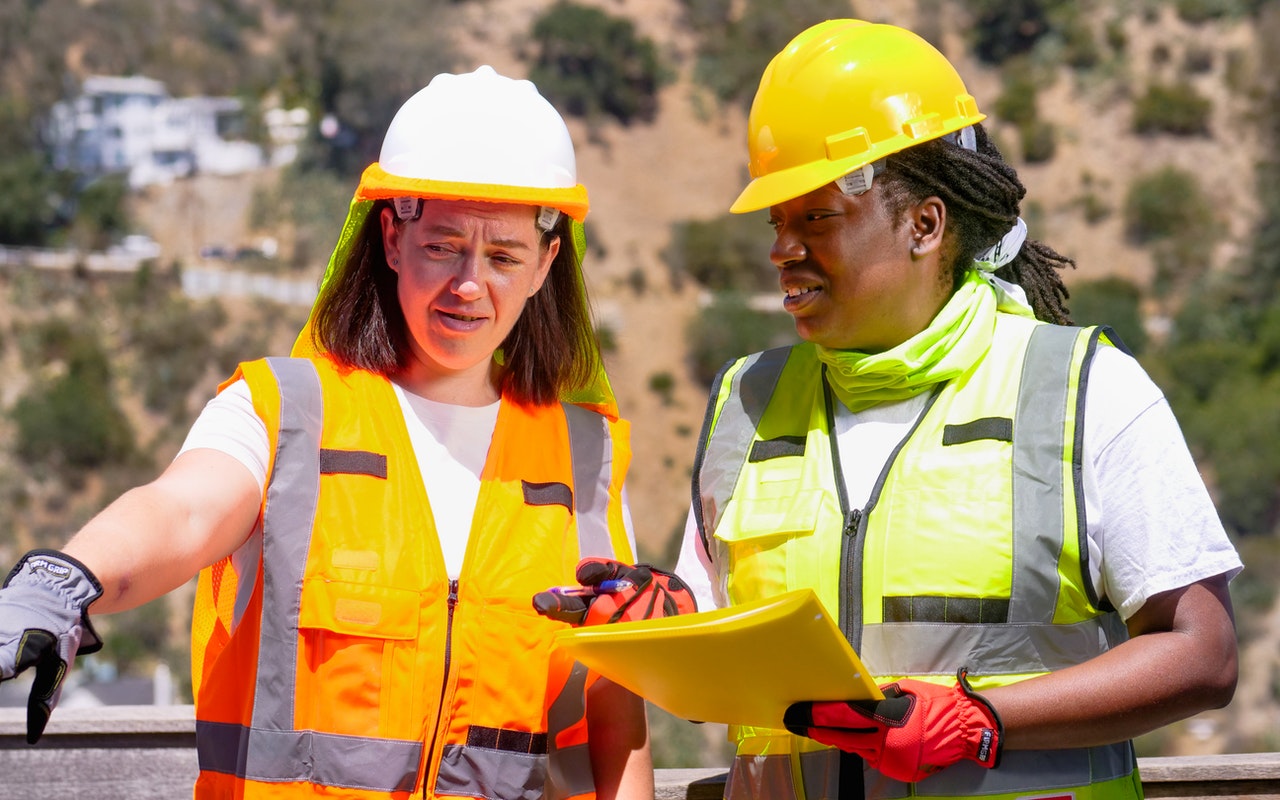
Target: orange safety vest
332 654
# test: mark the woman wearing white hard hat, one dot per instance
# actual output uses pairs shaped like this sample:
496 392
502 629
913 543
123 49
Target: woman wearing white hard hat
372 517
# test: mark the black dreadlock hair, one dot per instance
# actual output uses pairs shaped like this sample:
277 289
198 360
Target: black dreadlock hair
982 194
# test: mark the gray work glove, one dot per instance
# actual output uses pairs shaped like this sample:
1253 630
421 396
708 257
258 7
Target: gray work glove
44 622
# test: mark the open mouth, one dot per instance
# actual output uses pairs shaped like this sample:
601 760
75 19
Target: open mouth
798 291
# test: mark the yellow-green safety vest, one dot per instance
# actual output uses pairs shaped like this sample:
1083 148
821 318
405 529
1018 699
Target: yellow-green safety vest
970 551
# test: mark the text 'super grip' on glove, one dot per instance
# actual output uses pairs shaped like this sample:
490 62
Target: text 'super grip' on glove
44 623
916 730
651 593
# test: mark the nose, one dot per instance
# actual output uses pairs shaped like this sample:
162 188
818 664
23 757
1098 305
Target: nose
467 283
787 248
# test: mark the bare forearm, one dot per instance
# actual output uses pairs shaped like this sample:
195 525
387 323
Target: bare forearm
1155 678
619 743
155 537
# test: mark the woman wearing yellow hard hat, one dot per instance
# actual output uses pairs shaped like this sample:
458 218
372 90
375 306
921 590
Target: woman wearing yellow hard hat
998 508
373 518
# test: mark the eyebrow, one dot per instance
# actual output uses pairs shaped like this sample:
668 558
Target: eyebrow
510 244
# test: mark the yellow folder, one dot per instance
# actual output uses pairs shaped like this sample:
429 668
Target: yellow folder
741 665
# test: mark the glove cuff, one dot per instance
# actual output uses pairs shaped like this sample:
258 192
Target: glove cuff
990 739
58 572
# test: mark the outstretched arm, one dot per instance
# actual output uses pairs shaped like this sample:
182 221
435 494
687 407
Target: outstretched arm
155 537
1181 660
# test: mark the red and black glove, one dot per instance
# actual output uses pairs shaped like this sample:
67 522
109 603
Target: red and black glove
646 593
916 730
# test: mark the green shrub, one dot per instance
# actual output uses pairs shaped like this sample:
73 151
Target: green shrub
1163 203
1003 29
730 252
1039 141
1017 101
1198 12
72 421
730 328
734 48
174 344
592 64
1176 109
663 384
1111 301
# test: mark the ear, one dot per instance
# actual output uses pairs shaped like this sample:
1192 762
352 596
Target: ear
391 229
545 260
928 222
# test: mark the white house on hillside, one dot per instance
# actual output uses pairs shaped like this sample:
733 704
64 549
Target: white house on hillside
132 125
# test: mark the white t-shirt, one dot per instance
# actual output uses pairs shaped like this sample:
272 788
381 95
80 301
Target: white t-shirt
1152 526
450 443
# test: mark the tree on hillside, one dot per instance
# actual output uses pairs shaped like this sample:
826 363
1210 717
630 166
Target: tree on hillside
738 39
593 64
356 64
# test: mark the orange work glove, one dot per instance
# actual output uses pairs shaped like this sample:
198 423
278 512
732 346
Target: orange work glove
612 591
916 730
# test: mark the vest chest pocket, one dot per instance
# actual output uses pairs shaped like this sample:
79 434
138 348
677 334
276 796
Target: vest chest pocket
760 535
356 649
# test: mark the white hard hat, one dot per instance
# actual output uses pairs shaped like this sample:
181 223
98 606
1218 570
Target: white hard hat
480 136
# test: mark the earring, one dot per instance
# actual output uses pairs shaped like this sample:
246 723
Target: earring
395 262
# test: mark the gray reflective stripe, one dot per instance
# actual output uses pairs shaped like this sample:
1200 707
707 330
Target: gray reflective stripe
568 768
820 772
1020 772
355 762
592 453
1038 473
749 391
761 778
932 648
270 749
287 521
246 561
480 772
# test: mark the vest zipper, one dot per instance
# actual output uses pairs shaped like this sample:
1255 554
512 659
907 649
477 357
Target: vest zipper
444 683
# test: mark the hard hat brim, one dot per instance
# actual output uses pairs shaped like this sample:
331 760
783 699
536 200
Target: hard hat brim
378 184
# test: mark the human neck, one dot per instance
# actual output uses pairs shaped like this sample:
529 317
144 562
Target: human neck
476 386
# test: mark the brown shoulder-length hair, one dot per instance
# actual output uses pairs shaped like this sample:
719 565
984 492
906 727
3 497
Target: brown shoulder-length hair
551 350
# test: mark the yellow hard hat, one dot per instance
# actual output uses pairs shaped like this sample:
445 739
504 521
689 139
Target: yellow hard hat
841 95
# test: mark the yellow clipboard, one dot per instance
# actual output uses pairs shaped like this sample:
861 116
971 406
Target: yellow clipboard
741 665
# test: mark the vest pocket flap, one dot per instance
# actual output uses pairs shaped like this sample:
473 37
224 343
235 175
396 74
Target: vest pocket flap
792 514
355 609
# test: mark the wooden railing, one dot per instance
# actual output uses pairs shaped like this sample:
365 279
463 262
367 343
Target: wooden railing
148 752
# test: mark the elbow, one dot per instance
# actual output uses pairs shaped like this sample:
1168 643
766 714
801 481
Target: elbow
1222 687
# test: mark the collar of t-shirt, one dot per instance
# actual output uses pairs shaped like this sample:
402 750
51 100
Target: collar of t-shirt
451 444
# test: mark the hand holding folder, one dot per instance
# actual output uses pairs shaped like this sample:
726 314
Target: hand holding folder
742 665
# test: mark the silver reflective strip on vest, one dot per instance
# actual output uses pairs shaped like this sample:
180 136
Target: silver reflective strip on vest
352 762
271 750
717 471
287 522
480 772
1020 772
568 768
592 453
761 778
1038 473
937 648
